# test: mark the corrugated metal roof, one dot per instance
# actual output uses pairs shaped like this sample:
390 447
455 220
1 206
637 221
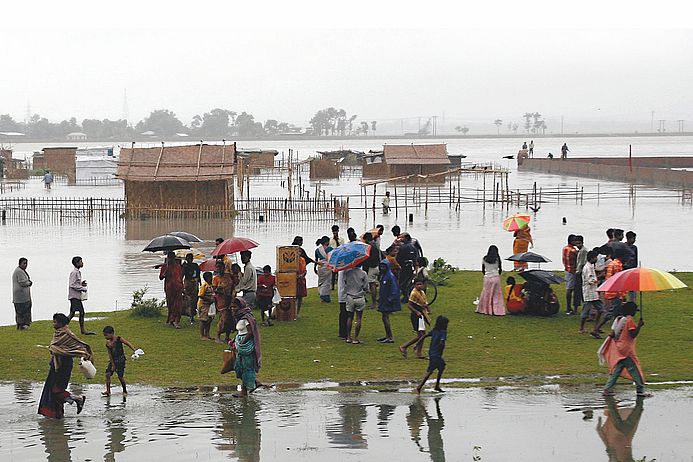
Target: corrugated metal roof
177 163
416 154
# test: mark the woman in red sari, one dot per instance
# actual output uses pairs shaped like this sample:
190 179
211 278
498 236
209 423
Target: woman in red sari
171 273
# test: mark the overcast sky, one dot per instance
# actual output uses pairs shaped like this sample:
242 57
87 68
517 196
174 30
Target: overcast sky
285 63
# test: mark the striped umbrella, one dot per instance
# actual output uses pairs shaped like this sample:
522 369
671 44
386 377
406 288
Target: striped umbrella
641 280
516 222
348 256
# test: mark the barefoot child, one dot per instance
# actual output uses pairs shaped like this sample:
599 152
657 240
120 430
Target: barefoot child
205 298
419 316
438 335
266 283
116 359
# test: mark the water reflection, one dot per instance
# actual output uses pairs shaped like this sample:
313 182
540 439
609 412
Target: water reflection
55 435
434 424
385 411
116 429
619 428
22 392
241 428
348 431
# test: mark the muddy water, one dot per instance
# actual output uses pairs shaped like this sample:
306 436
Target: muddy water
115 265
545 423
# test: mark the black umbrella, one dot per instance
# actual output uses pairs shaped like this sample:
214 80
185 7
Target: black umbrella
544 277
166 243
529 257
187 236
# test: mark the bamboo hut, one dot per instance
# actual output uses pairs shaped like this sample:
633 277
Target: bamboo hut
178 181
396 161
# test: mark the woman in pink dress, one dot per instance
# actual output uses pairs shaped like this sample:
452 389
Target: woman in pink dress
491 298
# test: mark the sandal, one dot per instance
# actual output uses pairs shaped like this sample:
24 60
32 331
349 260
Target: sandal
348 340
608 393
403 351
387 340
355 342
595 335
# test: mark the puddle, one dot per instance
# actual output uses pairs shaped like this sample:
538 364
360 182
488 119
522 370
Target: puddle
486 424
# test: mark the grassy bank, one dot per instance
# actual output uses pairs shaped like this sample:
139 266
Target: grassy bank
523 347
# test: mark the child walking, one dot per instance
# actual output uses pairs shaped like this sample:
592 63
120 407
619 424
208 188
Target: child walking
116 358
205 299
439 335
419 316
266 283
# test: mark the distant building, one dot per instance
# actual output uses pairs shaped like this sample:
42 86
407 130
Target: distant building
257 159
76 136
166 181
408 160
61 161
11 168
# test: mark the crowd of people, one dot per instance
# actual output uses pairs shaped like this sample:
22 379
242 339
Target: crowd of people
389 277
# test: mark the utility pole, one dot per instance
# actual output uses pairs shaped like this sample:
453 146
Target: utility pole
661 126
652 122
125 106
561 125
680 128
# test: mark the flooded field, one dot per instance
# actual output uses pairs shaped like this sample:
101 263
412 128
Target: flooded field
544 423
115 265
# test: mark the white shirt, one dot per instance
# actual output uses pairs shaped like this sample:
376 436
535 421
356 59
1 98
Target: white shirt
242 327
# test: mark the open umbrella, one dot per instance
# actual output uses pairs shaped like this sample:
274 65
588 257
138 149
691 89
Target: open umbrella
348 255
529 257
209 265
166 243
187 236
516 222
182 253
641 280
545 277
233 245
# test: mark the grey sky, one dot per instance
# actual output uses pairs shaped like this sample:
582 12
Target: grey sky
382 73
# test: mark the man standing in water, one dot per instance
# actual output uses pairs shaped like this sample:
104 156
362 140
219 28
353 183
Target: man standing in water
531 148
21 295
77 290
386 203
48 179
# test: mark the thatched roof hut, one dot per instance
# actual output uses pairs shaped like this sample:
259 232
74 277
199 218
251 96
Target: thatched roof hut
407 159
178 180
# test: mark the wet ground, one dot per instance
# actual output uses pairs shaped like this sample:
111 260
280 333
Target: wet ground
519 424
115 265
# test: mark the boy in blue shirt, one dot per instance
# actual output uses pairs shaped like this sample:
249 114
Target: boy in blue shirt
438 335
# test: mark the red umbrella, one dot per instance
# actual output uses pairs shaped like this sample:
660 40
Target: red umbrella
209 265
233 245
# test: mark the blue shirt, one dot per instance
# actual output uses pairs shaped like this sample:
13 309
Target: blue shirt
438 337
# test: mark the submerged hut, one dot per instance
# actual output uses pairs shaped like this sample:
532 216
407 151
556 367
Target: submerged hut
257 159
170 181
396 161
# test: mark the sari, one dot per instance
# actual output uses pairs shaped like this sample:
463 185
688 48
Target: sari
324 273
224 286
301 284
619 347
514 300
64 346
491 299
523 238
248 353
172 275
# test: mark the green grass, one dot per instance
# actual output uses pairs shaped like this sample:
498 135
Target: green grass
520 347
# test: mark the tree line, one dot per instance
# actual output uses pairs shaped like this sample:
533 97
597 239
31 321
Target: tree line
217 123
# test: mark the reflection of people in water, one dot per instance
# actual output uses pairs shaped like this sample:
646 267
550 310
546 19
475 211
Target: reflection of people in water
116 429
347 433
618 430
54 434
241 428
385 411
415 419
435 440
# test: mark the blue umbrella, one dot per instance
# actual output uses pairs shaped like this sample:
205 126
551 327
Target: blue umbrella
348 255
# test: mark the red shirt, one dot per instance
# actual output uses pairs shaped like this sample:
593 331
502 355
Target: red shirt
265 285
569 258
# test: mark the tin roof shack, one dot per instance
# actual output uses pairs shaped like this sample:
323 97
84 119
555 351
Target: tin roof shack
60 161
346 157
407 160
257 159
178 181
11 168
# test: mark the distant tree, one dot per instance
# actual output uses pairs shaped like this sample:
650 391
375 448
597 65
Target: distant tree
247 126
196 122
364 128
350 123
515 127
8 124
217 123
374 124
162 122
271 127
462 129
527 116
328 121
498 123
539 124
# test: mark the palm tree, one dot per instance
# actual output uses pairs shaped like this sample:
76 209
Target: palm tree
527 116
498 123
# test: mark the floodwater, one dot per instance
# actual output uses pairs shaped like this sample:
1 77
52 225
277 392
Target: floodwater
115 266
519 424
